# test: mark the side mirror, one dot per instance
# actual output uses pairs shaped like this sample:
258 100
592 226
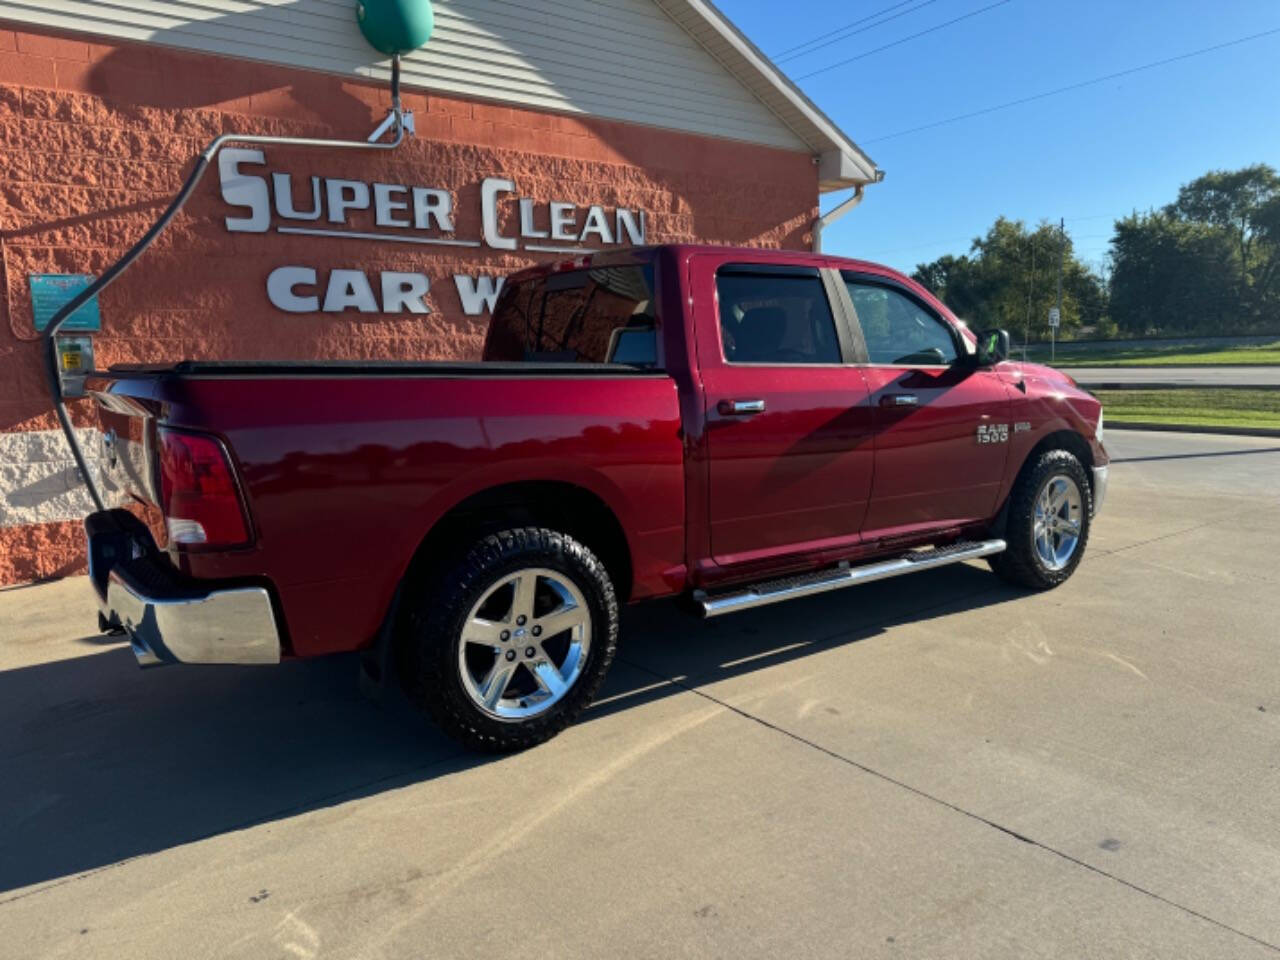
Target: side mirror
993 346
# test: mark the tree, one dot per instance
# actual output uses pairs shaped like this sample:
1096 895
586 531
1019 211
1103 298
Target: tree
1009 266
1207 263
1171 276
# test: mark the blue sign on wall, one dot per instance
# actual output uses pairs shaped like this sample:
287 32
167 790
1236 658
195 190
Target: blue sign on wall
49 291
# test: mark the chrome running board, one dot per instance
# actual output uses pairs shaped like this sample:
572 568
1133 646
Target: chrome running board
776 591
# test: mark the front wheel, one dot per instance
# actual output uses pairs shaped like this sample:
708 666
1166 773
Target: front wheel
1048 522
515 641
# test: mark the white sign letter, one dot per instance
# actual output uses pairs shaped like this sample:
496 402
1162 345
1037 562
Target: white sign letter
563 217
527 229
404 291
489 191
597 224
283 185
280 284
384 206
478 294
432 204
627 223
242 190
346 195
349 288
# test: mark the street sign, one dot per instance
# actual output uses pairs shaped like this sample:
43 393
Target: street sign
1055 318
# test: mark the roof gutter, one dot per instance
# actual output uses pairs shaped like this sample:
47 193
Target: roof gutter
834 214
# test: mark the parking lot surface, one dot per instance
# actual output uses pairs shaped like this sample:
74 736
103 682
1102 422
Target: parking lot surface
936 766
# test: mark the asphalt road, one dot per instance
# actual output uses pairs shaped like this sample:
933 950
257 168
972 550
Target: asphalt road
1194 376
938 766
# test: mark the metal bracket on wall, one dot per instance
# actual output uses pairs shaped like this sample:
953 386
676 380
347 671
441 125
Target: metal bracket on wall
406 120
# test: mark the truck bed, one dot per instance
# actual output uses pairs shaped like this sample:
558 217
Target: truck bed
206 369
346 466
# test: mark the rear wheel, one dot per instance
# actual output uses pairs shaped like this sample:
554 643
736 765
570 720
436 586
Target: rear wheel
1048 522
515 642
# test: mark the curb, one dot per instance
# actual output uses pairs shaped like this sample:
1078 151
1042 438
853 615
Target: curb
1172 385
1157 366
1194 428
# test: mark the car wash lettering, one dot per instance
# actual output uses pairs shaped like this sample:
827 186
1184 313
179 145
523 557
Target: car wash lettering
324 206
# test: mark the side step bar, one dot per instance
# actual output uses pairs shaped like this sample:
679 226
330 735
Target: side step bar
776 591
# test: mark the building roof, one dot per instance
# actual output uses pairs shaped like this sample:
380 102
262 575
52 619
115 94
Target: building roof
674 64
842 163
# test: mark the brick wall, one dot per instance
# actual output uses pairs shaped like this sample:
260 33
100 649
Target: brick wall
95 139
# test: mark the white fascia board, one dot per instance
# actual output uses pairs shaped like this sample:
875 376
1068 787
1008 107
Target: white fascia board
842 163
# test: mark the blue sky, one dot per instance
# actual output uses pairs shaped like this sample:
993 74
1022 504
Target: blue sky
1089 155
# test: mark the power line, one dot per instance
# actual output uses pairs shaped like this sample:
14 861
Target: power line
895 43
855 23
1074 86
836 36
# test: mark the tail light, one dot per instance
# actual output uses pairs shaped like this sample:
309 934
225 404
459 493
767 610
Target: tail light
199 493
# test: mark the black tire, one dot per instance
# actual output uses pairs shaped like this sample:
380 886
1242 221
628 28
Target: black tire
1021 563
429 646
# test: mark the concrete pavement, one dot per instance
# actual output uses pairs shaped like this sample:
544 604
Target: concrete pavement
938 766
1255 376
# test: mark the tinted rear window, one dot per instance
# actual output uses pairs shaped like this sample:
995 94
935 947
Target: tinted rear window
775 318
597 315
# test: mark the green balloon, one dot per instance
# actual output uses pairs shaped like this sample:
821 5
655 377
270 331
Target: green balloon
395 26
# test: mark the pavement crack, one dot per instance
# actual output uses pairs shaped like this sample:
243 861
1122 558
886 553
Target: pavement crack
1168 536
955 808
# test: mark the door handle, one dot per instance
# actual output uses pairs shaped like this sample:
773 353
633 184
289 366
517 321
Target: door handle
730 408
900 400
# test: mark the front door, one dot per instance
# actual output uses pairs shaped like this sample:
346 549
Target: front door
788 426
942 424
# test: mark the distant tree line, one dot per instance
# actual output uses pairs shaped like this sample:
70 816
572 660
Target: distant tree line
1208 263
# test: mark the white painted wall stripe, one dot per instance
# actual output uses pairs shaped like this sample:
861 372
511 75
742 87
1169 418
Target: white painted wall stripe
39 482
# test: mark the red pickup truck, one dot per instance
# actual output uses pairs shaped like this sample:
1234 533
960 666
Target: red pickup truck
739 426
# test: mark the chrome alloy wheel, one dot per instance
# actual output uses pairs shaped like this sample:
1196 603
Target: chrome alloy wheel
1058 519
524 644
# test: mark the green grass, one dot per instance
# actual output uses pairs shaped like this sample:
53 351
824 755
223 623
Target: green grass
1097 355
1210 408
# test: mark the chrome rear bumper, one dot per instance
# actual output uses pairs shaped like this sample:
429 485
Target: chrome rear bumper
1099 488
170 620
221 626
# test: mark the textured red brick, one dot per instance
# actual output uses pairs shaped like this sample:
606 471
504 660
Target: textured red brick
46 46
41 551
26 71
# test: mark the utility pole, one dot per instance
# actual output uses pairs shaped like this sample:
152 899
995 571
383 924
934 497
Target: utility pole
1062 254
1031 283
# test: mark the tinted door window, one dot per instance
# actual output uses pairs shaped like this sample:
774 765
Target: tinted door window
775 318
600 315
898 330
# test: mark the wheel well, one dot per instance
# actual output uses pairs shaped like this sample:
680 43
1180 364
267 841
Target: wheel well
558 506
1067 440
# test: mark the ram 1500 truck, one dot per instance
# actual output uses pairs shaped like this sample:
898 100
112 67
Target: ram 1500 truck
738 426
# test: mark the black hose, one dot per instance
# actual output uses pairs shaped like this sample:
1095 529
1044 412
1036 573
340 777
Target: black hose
83 297
117 268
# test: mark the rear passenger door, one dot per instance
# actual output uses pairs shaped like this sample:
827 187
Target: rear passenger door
788 430
929 401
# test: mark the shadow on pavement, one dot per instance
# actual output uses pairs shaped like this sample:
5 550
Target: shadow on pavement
104 762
